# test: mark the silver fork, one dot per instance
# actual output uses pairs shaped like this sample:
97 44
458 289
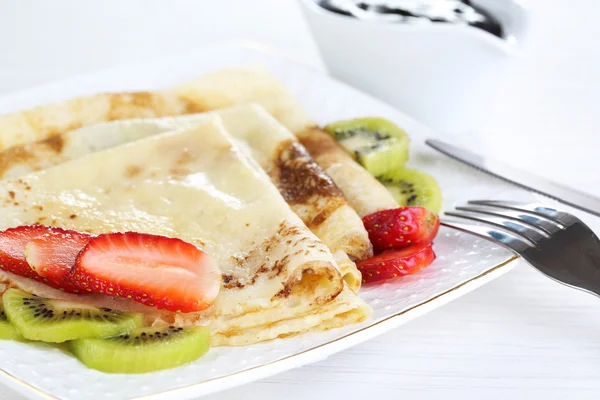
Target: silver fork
556 243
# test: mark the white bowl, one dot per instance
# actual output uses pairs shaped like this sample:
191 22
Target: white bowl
445 75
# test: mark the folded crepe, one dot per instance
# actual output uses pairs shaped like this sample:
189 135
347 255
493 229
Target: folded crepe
49 120
194 183
220 89
232 86
310 192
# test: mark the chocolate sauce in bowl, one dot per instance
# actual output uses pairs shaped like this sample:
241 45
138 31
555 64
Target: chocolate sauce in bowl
462 12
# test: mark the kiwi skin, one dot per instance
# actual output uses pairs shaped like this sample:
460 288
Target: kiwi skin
411 187
56 321
143 350
376 143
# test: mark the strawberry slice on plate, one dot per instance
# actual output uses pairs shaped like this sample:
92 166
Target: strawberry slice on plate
401 227
52 256
12 248
157 271
394 263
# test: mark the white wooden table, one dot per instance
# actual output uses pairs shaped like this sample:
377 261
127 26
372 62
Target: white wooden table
521 336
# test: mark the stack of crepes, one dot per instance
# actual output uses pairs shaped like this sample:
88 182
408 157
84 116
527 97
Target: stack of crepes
228 162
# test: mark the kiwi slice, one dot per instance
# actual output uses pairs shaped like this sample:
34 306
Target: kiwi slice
56 321
413 188
7 330
376 143
143 350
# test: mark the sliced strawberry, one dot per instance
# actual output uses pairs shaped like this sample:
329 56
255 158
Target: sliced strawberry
393 263
154 270
401 227
12 248
53 255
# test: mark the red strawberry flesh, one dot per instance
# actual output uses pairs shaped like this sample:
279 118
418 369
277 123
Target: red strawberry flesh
395 263
157 271
12 248
401 227
53 255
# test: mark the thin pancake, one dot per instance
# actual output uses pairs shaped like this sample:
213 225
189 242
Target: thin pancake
310 192
365 194
220 89
46 121
196 185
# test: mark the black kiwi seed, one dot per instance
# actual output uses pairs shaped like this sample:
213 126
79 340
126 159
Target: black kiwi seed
413 188
345 134
34 315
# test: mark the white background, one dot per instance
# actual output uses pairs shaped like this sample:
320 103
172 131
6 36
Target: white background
521 336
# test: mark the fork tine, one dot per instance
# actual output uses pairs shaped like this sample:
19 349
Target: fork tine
507 239
513 226
545 225
553 214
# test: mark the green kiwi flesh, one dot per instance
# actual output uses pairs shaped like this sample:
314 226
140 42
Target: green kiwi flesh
143 350
56 321
376 143
411 187
7 330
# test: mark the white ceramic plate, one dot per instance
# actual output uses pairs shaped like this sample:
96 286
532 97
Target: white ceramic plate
464 262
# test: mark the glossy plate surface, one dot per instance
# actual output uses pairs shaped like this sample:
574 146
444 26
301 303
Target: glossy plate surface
464 262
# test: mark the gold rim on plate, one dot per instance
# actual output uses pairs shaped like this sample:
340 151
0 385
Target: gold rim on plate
264 49
391 317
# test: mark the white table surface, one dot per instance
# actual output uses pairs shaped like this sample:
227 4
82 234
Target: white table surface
521 336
